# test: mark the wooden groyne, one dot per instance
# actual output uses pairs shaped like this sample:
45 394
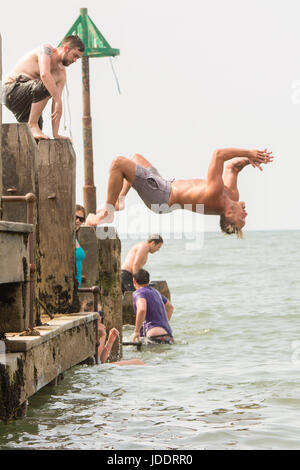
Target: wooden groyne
42 330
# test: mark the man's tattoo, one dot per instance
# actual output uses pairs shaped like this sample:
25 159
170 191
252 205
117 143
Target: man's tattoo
47 50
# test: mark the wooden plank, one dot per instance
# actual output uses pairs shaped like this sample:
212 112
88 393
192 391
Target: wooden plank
6 226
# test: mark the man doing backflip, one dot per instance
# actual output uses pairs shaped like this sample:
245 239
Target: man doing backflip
219 195
38 76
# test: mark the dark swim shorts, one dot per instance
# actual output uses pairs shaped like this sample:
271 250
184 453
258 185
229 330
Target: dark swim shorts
127 281
152 189
18 97
162 339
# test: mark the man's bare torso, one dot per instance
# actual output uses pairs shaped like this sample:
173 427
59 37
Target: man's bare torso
29 65
192 192
129 261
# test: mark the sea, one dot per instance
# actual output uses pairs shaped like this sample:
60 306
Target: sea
231 381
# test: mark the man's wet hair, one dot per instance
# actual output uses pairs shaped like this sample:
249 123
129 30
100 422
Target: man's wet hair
229 228
74 42
142 277
157 239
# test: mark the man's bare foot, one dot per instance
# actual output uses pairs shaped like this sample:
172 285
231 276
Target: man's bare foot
91 220
120 204
37 133
104 215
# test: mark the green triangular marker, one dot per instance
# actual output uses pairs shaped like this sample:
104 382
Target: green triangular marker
94 42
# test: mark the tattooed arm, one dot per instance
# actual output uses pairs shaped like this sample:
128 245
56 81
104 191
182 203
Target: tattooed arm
44 59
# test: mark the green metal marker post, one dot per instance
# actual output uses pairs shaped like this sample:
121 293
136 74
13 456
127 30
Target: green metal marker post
95 46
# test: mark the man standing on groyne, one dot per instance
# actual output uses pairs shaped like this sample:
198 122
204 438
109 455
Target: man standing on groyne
38 76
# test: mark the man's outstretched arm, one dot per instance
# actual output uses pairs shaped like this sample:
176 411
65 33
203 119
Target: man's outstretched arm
216 166
232 171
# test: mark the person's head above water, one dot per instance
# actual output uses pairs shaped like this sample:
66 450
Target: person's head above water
141 278
234 219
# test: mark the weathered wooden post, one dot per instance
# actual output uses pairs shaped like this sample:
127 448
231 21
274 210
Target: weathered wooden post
19 168
56 284
109 246
19 162
102 267
14 261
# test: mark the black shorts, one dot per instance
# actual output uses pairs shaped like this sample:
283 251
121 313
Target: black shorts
127 281
18 97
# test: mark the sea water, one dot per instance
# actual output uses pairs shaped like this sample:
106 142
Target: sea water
230 381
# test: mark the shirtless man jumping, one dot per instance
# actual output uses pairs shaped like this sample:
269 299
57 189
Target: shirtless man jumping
136 259
38 76
219 196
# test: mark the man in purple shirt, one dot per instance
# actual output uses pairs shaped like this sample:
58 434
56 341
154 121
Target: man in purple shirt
152 309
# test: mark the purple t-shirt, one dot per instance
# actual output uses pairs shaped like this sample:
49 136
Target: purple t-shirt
156 312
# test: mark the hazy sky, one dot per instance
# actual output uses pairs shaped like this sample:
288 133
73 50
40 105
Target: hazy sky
194 75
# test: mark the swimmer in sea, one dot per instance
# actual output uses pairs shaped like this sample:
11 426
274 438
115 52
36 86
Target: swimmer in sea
218 193
136 259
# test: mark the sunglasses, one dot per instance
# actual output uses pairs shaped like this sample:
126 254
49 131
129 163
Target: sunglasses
82 219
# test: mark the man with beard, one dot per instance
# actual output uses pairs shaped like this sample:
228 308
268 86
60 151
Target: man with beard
38 76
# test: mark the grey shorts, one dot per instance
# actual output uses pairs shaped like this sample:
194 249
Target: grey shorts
19 96
152 188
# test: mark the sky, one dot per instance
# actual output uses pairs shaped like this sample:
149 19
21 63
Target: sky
194 76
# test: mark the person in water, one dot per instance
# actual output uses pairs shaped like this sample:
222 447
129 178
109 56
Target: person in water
218 194
153 311
136 259
80 254
104 348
